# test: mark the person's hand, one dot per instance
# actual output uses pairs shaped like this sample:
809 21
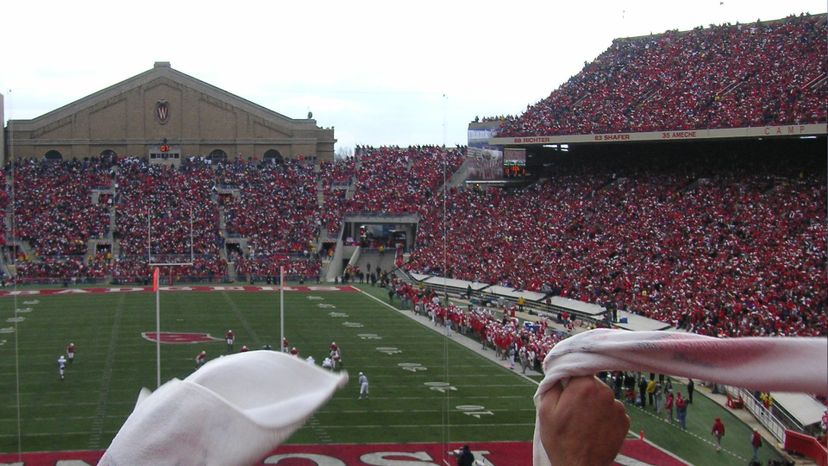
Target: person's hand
582 424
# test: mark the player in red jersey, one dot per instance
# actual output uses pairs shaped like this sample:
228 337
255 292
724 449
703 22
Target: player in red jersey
70 352
244 349
229 337
336 355
200 359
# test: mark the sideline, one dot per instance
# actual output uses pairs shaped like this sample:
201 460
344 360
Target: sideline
458 338
474 346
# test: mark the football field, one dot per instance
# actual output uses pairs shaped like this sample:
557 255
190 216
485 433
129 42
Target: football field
424 387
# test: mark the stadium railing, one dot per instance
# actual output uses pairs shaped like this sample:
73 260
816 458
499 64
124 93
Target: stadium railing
768 419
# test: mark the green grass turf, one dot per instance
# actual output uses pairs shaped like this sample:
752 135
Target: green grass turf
113 362
696 444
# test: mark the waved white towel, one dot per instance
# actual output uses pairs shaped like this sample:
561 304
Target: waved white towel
232 411
789 364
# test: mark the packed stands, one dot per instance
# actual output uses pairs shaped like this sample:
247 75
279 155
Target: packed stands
54 213
393 181
277 211
171 211
729 76
724 252
335 177
53 207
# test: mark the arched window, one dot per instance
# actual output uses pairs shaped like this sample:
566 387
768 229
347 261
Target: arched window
217 155
108 153
53 155
273 156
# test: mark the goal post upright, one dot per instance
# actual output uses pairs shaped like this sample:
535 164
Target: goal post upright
155 270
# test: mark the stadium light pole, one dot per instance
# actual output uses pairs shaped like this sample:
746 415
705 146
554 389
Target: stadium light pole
14 300
446 410
155 280
282 308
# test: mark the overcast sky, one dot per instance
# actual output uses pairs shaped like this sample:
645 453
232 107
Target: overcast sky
384 72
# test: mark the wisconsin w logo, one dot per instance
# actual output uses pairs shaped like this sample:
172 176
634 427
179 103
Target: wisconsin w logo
181 338
162 111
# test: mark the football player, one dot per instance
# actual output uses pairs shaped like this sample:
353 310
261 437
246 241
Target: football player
363 386
61 362
229 337
200 359
70 352
336 358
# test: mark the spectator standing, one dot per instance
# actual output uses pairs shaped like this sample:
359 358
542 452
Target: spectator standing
756 443
718 431
651 388
691 387
681 411
464 456
668 405
657 398
642 390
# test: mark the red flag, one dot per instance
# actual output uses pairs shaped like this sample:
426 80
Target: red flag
155 279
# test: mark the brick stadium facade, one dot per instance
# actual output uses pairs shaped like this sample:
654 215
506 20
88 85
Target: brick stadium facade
136 116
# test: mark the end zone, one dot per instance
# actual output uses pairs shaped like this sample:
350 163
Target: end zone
633 452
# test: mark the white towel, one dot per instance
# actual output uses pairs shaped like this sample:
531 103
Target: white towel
790 364
232 411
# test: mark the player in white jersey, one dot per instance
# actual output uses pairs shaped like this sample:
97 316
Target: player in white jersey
61 362
363 386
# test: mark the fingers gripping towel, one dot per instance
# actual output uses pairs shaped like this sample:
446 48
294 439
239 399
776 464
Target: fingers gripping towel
232 411
789 364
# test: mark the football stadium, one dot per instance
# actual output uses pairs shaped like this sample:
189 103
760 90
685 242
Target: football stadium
160 227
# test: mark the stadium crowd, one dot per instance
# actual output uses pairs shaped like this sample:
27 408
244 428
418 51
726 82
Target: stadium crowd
729 76
393 180
277 211
171 211
729 252
53 207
